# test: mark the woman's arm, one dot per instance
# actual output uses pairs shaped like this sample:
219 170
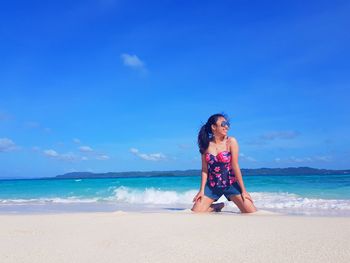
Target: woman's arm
204 173
203 181
233 144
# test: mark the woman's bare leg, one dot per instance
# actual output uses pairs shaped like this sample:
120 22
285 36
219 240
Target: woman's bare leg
203 205
245 207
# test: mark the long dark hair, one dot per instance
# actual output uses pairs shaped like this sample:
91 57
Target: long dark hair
205 133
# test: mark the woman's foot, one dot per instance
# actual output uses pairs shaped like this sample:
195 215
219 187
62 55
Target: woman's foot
218 206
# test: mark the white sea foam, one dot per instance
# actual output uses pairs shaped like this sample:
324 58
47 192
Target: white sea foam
67 200
156 197
287 200
152 196
271 200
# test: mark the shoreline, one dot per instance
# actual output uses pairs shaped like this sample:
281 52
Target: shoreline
226 212
110 207
180 236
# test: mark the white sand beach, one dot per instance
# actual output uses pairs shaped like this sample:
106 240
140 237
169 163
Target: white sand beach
179 236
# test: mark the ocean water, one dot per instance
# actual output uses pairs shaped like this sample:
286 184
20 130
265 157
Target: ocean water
325 195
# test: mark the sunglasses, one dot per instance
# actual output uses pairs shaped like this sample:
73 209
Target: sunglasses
225 123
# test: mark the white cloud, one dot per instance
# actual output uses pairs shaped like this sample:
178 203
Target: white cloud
93 154
102 157
132 61
300 160
152 156
134 150
7 145
148 157
69 157
246 158
76 140
51 153
85 149
85 153
323 158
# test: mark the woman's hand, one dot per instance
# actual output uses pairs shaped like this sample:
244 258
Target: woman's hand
198 196
246 195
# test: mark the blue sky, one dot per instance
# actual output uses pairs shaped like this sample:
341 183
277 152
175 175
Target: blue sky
125 85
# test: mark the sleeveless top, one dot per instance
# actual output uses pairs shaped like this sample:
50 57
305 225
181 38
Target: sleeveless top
220 173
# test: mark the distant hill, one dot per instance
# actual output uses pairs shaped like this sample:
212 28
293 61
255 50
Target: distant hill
260 171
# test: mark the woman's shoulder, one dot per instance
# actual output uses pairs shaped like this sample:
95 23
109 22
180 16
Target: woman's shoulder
231 141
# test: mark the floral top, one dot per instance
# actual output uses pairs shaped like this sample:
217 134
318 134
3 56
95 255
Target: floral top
220 173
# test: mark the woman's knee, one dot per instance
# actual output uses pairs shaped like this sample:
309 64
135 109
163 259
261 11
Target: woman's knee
249 207
200 207
245 206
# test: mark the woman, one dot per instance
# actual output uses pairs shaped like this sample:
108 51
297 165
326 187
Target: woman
220 170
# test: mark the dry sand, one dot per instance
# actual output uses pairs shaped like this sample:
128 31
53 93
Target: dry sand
180 236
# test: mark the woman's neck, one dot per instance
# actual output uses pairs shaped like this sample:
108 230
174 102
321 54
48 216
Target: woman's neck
218 140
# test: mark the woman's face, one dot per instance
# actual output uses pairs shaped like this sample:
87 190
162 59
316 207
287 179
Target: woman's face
221 128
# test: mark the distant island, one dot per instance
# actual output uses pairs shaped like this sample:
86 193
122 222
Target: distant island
245 172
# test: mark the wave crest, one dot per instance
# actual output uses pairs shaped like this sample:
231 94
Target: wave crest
152 196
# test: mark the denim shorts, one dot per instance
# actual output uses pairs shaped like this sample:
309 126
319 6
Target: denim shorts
216 192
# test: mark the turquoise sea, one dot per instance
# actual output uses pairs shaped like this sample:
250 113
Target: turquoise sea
297 195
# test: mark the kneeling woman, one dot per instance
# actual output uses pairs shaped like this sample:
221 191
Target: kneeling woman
221 174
